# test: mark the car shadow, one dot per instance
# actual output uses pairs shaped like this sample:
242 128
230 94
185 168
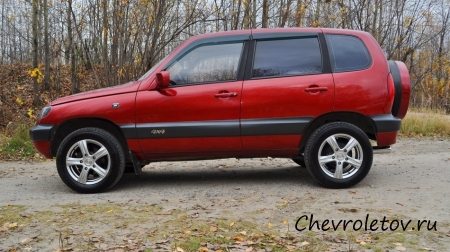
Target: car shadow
201 177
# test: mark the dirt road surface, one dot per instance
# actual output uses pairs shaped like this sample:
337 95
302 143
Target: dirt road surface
233 205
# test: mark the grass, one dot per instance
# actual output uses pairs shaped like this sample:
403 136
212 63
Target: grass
423 122
15 143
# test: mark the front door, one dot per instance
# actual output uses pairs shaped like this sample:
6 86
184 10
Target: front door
198 114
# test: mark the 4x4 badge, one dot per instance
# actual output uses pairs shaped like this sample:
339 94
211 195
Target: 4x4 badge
155 131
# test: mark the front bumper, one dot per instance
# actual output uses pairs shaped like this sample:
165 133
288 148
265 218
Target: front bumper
41 135
41 132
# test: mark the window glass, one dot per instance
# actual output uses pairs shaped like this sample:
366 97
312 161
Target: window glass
348 53
287 57
208 63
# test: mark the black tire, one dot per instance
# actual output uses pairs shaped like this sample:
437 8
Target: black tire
80 168
355 163
300 160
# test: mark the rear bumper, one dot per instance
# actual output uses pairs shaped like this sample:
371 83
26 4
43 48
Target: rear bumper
41 135
387 127
386 123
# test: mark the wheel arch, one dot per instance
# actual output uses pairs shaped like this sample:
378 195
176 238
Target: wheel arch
71 125
363 122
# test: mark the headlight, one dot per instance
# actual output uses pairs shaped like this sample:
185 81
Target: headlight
44 112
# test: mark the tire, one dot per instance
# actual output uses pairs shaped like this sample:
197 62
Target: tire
90 160
300 160
397 87
330 142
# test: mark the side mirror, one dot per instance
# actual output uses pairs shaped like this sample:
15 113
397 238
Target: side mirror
162 79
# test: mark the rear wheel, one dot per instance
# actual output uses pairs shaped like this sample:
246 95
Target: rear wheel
90 160
338 155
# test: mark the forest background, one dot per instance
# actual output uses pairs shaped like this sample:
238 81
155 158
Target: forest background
53 48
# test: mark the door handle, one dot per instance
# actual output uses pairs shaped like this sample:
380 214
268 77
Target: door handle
316 89
225 95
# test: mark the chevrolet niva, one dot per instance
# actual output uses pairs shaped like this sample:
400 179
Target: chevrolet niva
317 96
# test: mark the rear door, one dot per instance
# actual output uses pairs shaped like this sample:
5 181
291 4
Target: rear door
287 84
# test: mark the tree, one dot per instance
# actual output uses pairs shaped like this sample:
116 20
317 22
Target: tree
35 71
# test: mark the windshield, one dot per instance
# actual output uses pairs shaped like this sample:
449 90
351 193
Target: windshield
152 69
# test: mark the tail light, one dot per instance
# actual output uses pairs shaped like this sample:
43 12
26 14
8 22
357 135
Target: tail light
391 90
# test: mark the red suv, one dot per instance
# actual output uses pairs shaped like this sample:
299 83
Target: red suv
310 94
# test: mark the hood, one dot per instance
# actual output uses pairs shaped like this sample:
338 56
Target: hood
120 89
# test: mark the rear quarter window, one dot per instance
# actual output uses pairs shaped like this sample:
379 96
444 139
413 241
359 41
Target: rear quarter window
348 53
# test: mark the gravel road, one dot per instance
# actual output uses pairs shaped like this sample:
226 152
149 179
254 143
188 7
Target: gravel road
413 182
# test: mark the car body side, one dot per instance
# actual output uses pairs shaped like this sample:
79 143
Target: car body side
266 118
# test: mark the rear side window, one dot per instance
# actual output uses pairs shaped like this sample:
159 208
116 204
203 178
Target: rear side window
284 57
348 53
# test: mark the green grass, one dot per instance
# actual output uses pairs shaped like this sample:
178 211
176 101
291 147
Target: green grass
15 143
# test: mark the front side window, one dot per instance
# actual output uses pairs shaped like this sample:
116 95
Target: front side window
299 56
348 53
207 64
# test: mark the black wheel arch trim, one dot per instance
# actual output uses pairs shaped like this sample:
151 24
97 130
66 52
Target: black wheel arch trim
62 130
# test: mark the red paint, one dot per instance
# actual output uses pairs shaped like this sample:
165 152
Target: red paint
284 97
189 104
386 138
406 89
273 142
43 148
365 92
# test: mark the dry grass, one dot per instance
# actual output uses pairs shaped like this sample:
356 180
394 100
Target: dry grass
421 122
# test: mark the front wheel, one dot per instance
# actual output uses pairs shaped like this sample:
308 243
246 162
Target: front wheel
338 155
90 160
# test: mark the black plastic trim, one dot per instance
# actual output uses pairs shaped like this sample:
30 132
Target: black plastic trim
186 129
129 130
283 35
250 59
222 128
275 126
136 165
41 132
326 60
243 61
386 123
